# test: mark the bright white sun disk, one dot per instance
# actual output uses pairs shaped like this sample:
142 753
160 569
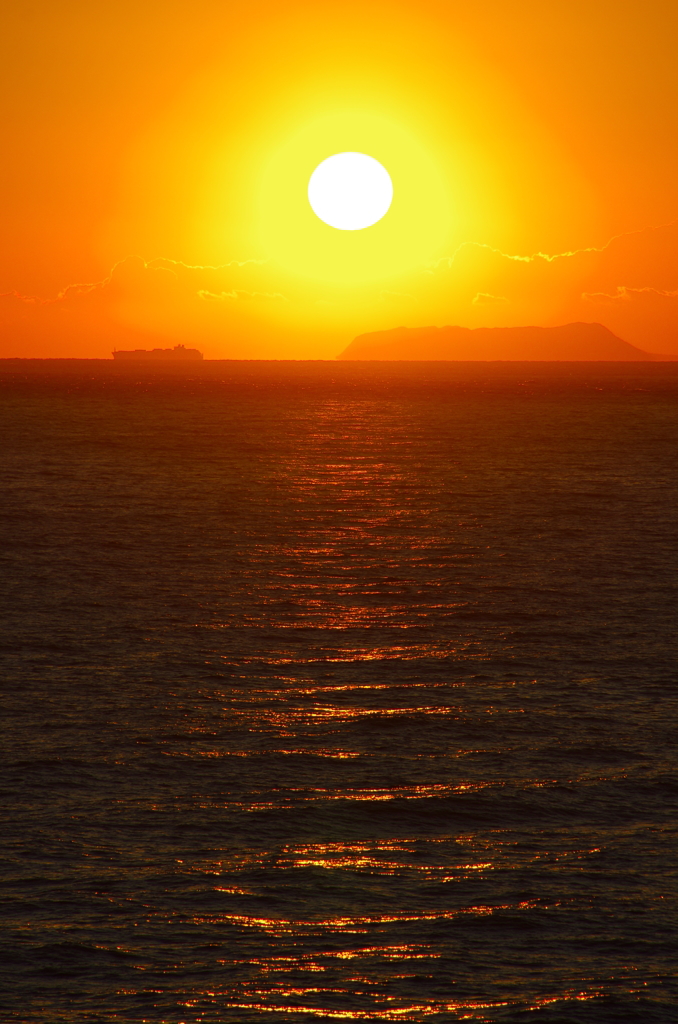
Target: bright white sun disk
350 191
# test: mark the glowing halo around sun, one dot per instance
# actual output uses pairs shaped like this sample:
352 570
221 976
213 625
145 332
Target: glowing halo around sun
350 191
313 223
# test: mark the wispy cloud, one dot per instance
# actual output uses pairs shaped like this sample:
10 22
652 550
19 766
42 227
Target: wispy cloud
485 299
622 293
158 263
447 261
203 293
68 292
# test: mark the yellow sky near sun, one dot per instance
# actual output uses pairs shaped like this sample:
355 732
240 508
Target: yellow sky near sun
185 133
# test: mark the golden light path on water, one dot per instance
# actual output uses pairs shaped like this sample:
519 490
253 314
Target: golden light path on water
344 766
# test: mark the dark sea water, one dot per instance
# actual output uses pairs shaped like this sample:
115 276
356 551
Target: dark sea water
339 692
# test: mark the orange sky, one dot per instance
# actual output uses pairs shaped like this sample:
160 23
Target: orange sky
153 152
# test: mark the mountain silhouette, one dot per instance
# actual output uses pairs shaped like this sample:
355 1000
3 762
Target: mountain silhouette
571 342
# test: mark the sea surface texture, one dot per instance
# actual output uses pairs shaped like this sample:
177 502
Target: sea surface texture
339 691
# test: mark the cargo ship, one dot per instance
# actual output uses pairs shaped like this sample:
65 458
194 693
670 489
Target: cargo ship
177 354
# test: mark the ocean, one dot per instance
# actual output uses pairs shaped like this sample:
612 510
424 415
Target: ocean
339 691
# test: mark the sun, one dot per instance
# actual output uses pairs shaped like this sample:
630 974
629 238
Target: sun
350 191
352 197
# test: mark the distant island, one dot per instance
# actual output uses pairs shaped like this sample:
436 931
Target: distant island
569 343
179 352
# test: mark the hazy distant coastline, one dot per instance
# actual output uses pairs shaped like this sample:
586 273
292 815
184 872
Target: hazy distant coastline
572 343
578 342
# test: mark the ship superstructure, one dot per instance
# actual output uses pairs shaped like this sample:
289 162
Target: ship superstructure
178 353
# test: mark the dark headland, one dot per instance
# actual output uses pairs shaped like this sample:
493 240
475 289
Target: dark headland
572 342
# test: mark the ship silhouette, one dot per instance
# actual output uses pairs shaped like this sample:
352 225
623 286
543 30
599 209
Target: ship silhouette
178 353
